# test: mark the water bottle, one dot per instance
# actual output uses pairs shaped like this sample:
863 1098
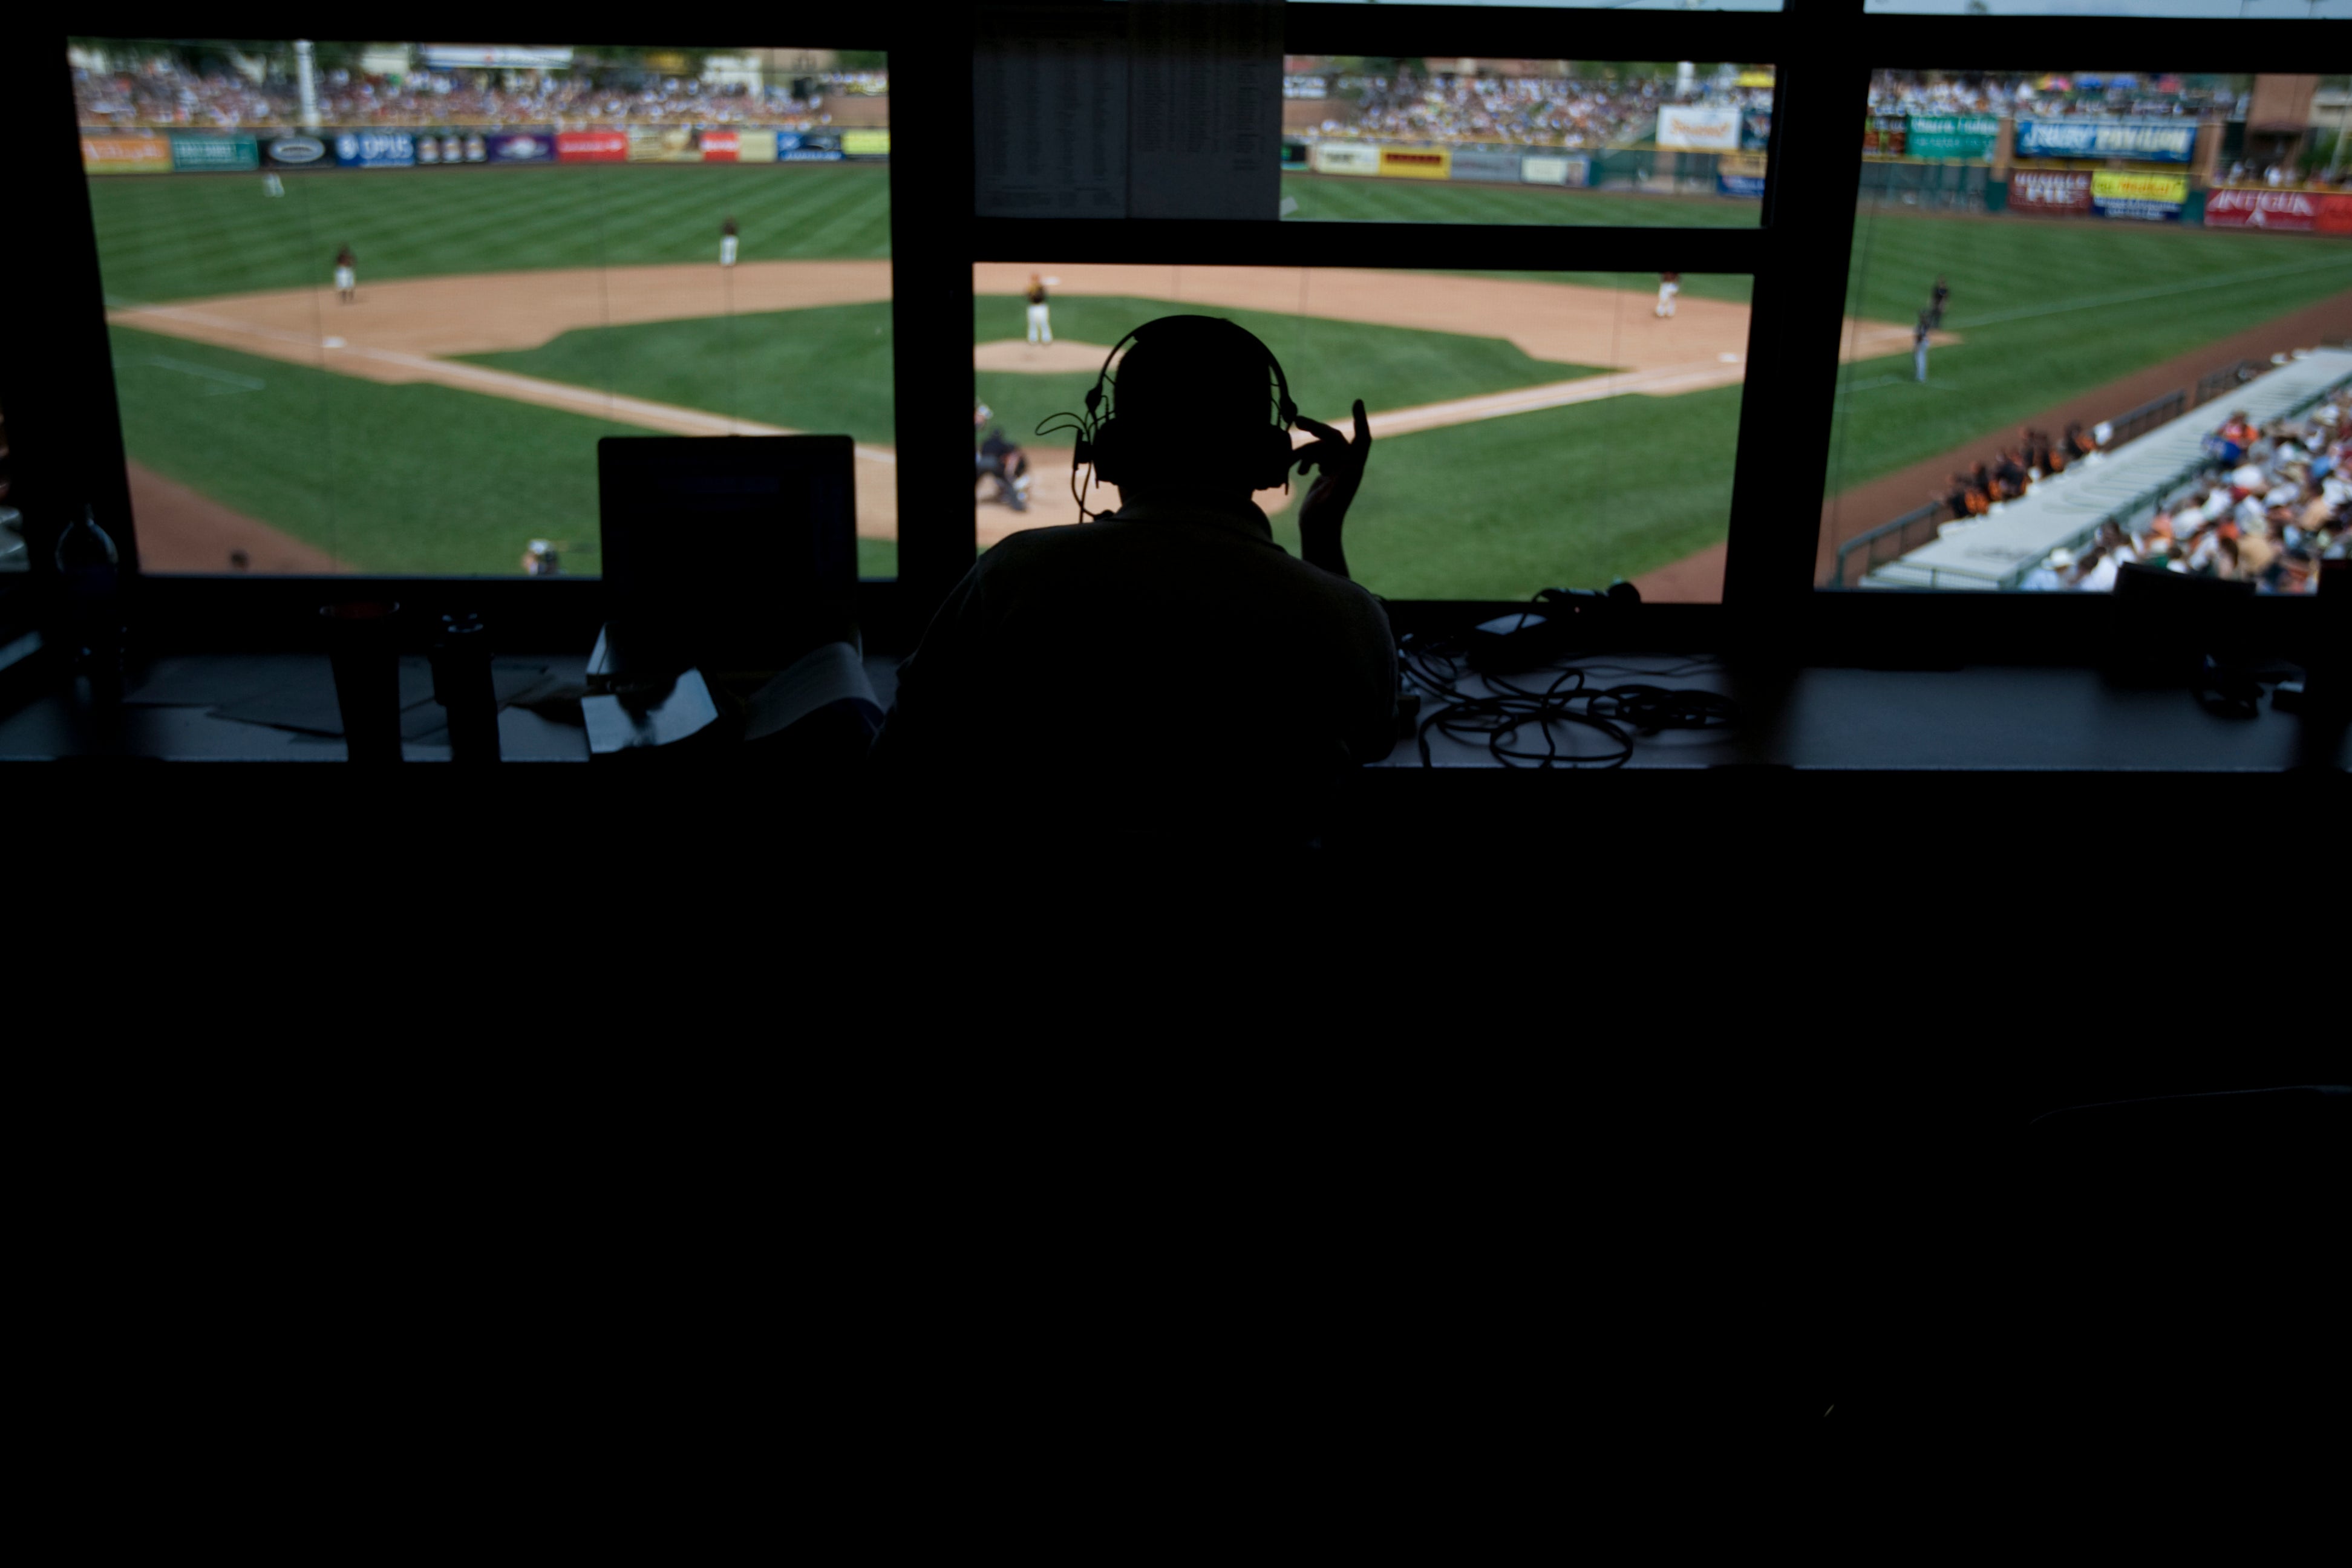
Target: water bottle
87 566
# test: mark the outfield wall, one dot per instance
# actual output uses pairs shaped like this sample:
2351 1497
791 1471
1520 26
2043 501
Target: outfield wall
1728 173
109 151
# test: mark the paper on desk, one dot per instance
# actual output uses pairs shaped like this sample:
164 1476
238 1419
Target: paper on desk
304 698
684 710
429 722
829 674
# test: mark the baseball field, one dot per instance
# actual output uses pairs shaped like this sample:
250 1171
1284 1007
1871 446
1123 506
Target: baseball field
1534 428
259 412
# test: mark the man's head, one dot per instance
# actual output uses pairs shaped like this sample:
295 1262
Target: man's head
1193 414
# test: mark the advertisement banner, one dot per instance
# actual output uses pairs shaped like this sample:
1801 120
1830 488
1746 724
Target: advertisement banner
592 146
1755 130
1416 162
2335 214
520 147
722 146
2294 212
1884 136
135 152
1294 154
1347 158
868 144
374 149
2154 197
663 144
2150 141
450 147
755 146
808 146
202 153
1470 163
2043 191
1542 169
296 151
1969 136
1740 174
1689 128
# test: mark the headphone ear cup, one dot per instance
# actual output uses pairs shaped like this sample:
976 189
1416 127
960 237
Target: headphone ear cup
1101 449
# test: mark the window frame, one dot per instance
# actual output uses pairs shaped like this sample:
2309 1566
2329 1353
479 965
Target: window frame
67 423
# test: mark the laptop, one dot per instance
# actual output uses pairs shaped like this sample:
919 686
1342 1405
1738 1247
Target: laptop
732 555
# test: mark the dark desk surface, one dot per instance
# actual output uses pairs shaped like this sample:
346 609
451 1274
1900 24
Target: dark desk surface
1993 719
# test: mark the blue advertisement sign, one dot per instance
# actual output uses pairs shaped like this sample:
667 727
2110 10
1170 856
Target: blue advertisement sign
1750 185
375 149
788 141
520 146
2148 141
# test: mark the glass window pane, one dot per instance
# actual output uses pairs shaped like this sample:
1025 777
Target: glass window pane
374 304
2065 286
1432 140
1533 430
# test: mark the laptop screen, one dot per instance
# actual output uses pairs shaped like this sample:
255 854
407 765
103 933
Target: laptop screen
739 552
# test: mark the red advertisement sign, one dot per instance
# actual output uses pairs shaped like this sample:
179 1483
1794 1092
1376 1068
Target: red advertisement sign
2294 211
592 146
2336 214
720 146
2049 191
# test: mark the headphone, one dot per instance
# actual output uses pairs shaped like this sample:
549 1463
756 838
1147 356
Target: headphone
1103 443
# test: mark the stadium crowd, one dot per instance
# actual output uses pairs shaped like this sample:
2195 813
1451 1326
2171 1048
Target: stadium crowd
1549 112
164 94
2275 503
2124 96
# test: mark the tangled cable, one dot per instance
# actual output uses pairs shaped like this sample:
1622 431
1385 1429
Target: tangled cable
1618 713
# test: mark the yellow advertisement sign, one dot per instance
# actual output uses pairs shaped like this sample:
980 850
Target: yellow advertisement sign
2112 187
1417 163
135 153
663 144
1745 165
864 144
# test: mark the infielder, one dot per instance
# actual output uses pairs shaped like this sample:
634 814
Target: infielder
271 185
1040 329
1669 285
1936 301
1919 348
726 238
347 275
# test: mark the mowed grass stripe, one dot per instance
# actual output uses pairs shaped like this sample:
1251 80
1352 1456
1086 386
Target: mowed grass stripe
1343 199
1564 497
178 238
826 369
2048 311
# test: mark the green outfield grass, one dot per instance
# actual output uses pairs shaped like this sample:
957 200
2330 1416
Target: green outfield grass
1562 498
1329 363
823 369
1342 198
415 479
2049 311
187 235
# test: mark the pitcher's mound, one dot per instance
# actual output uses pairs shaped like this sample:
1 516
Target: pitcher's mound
1041 359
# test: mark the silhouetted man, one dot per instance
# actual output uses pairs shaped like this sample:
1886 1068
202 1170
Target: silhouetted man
1167 669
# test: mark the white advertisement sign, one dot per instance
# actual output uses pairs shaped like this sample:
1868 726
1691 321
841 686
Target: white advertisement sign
1538 169
1688 128
1345 158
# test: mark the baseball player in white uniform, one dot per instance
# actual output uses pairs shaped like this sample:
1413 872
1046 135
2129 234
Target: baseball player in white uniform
271 185
1669 285
347 275
726 239
1041 329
